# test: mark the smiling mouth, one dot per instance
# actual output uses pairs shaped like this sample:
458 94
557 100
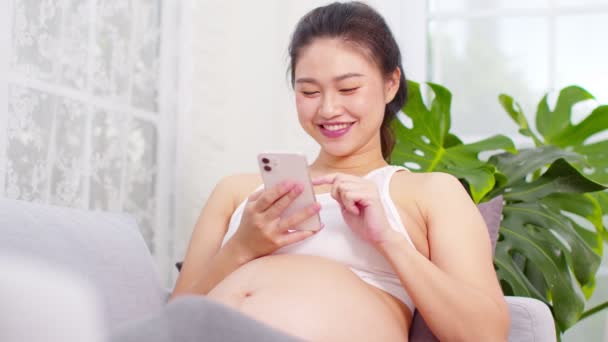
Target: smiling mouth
337 126
335 130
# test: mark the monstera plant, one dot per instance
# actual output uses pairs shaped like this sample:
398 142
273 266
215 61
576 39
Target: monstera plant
551 237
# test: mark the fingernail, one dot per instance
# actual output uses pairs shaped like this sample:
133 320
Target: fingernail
287 185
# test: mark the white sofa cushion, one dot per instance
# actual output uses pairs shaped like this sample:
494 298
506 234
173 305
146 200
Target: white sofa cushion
45 304
107 250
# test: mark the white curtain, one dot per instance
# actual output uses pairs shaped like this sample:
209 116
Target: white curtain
88 111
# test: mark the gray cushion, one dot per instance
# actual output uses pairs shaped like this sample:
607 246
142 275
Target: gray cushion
531 320
491 212
41 303
195 319
105 249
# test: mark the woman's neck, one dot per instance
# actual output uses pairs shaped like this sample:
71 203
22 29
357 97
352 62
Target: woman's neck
358 164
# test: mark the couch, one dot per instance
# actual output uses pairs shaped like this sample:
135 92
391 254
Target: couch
112 269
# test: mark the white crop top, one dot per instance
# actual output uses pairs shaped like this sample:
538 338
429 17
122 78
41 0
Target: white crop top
338 242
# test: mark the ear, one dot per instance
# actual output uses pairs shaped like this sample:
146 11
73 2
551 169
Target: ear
391 85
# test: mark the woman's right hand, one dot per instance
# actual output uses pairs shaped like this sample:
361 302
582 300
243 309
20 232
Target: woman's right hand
262 231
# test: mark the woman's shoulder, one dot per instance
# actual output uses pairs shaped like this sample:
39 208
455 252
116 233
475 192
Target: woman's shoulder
239 186
429 181
426 187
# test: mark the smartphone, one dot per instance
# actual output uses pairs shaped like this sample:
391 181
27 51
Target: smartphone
278 167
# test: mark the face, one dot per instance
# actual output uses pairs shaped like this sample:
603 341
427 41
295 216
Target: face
341 96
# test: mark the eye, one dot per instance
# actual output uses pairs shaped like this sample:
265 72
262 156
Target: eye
348 90
310 93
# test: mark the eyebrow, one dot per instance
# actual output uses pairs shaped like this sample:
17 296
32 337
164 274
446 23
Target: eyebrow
336 79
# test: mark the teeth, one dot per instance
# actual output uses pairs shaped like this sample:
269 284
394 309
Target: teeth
335 127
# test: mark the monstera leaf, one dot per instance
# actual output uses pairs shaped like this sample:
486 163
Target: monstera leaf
542 252
602 198
556 128
429 146
539 225
517 168
516 113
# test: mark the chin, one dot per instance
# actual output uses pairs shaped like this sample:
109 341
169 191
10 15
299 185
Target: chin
338 151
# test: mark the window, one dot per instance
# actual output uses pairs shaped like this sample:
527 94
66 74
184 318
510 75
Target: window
86 100
480 48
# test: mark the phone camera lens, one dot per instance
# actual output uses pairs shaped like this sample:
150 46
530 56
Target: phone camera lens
267 168
265 160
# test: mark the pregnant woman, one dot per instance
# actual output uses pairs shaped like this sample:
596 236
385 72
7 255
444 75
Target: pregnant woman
392 241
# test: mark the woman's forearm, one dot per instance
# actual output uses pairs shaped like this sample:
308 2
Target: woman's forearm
453 310
228 258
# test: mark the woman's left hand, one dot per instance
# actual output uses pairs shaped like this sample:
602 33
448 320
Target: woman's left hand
361 205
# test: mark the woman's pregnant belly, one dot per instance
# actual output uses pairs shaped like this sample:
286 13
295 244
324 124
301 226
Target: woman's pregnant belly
313 298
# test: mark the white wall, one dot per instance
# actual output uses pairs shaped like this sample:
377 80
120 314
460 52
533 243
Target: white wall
239 102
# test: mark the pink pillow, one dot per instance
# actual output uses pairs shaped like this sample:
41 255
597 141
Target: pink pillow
491 212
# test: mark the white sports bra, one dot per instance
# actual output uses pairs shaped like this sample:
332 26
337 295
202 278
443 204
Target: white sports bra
338 242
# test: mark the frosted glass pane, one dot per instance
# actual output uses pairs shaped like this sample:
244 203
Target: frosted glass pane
73 54
147 55
36 37
479 59
141 164
28 139
459 5
111 53
582 53
67 175
108 143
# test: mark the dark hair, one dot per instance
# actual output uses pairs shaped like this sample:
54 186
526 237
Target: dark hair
359 24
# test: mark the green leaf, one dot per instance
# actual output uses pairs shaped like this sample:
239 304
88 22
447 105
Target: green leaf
511 275
602 199
451 140
435 123
430 146
596 122
585 250
558 130
587 211
531 229
596 155
549 242
551 124
517 166
586 206
516 113
560 177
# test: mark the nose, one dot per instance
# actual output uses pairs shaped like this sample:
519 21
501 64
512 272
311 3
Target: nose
330 106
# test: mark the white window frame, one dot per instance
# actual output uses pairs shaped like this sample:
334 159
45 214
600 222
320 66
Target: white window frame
5 40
